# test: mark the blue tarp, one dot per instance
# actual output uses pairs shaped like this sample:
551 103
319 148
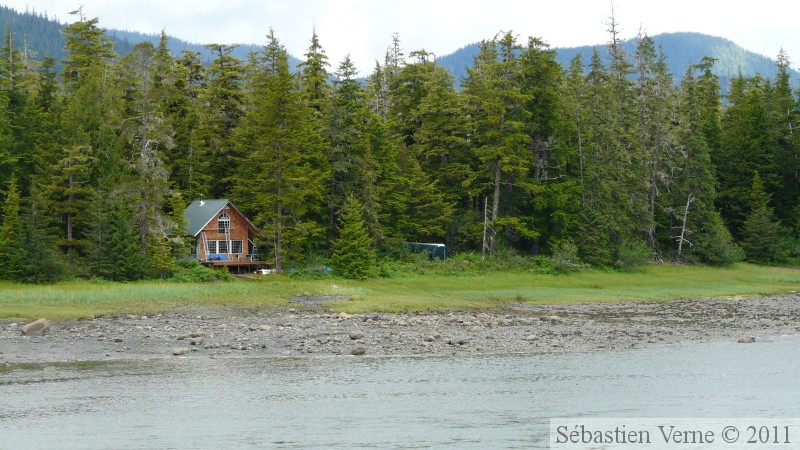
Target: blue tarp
217 257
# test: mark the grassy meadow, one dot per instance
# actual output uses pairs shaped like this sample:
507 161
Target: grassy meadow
401 293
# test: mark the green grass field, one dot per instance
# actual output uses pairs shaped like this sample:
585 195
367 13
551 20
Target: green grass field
399 294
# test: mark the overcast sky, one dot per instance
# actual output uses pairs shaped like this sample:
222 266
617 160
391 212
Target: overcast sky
363 28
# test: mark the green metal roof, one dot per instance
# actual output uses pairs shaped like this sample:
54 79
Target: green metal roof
200 212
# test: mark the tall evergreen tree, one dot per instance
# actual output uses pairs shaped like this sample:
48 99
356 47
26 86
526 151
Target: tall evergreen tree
696 229
87 47
784 118
314 76
69 193
442 147
186 160
222 100
496 105
148 135
746 148
278 182
348 132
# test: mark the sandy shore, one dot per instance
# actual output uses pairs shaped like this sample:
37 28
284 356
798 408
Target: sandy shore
307 328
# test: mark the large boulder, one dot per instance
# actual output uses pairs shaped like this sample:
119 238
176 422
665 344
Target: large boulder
36 328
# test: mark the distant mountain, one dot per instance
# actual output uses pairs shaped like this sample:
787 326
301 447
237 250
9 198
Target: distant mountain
682 50
42 35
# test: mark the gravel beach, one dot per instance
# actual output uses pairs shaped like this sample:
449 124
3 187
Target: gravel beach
306 328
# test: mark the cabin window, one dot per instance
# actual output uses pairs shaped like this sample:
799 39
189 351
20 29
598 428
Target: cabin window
235 247
223 224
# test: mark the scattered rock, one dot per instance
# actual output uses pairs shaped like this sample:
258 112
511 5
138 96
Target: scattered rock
49 369
766 322
458 341
117 339
747 340
196 341
36 328
177 351
356 335
358 350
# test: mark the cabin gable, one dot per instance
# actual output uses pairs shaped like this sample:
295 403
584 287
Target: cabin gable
220 231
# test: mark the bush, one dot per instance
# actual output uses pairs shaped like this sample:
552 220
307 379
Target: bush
715 244
565 257
787 249
633 253
191 271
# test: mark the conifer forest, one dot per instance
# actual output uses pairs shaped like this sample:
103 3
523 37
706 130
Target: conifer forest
610 162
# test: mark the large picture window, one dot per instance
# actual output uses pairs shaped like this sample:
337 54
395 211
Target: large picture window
236 247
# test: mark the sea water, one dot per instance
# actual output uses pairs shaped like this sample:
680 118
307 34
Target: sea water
482 402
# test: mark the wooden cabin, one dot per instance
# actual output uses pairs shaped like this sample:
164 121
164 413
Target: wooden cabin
223 236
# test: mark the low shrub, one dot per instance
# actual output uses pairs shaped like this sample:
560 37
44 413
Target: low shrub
190 271
565 257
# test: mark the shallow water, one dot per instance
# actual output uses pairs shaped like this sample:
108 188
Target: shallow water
350 402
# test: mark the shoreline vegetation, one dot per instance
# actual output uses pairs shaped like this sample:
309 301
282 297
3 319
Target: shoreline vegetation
424 314
436 287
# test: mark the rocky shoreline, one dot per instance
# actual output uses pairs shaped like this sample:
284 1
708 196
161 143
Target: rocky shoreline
307 328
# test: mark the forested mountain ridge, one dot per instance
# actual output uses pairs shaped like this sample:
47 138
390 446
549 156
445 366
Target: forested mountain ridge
613 162
42 35
682 50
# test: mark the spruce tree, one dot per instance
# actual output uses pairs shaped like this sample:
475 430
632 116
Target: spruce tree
784 117
69 193
498 117
148 136
350 153
280 182
186 161
12 236
760 231
224 98
113 244
87 47
353 252
43 261
746 147
314 76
